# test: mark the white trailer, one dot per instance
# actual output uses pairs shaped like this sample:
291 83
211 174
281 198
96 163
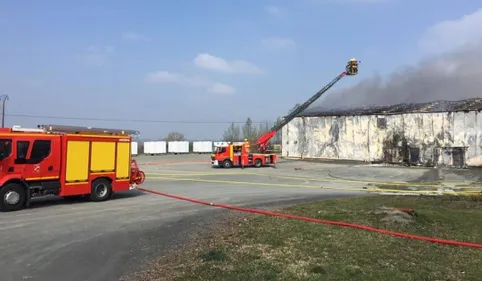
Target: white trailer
202 147
178 147
154 147
134 148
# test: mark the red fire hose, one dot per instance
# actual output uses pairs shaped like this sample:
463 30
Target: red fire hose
344 224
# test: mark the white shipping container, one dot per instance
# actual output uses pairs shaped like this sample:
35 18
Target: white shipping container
178 147
149 147
172 147
154 147
161 147
184 146
202 146
134 148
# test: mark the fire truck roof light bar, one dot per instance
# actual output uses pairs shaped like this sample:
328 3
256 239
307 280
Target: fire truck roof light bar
17 128
85 130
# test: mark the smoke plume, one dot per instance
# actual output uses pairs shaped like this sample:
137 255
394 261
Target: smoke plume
451 76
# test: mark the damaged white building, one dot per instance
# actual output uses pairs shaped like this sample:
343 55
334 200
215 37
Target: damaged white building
439 133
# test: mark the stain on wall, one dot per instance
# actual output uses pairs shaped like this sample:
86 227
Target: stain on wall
428 139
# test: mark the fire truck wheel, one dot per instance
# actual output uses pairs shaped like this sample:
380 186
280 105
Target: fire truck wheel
101 190
13 197
227 163
258 163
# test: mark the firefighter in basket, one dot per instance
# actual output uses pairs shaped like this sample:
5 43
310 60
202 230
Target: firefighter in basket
352 67
247 146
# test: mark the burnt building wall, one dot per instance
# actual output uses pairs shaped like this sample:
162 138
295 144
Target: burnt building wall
429 139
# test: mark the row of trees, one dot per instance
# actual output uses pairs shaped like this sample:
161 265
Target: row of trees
251 131
235 132
175 136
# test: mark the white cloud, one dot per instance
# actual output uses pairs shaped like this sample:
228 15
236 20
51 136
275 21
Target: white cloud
163 77
94 59
450 34
166 77
135 36
278 43
274 11
207 61
220 88
97 55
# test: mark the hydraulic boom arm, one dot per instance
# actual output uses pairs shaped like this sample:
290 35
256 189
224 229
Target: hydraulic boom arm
263 141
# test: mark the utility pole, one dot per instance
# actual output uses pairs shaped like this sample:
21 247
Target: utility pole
3 100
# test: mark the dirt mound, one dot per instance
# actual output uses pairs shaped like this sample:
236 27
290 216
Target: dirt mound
394 215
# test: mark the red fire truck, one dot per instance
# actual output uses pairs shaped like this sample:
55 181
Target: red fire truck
236 154
65 161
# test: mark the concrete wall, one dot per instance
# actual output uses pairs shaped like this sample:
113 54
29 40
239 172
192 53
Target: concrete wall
432 139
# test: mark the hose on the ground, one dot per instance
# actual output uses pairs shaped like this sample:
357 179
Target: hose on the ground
308 219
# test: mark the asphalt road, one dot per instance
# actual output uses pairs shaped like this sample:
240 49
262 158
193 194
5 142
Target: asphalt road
85 241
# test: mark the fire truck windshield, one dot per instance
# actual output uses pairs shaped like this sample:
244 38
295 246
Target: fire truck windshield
5 148
220 149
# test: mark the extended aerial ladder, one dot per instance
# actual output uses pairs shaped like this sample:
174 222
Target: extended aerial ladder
263 142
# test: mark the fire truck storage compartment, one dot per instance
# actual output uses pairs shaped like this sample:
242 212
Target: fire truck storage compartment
77 166
103 159
123 167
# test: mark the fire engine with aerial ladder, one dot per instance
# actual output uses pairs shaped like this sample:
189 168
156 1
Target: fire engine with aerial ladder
237 154
67 161
76 161
72 161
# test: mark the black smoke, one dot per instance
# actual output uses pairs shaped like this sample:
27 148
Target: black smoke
451 76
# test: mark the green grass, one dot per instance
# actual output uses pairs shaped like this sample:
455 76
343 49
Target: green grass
270 248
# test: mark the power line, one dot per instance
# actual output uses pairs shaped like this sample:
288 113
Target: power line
133 120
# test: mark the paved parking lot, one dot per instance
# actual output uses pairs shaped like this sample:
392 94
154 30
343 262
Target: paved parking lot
57 241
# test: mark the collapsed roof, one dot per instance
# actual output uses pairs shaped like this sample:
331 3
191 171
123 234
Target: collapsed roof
474 104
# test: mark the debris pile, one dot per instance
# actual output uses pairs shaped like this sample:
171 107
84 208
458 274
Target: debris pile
396 215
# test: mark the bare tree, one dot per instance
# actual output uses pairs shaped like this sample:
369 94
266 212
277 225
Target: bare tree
277 138
232 133
263 128
175 136
249 130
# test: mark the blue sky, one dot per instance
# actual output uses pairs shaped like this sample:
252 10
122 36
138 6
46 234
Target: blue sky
204 60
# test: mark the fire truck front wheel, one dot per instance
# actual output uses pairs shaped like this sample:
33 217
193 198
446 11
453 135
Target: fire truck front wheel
227 163
101 190
13 196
